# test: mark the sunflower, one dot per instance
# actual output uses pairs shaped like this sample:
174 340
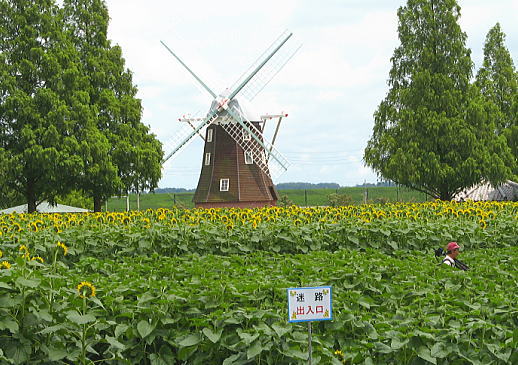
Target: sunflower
34 227
5 265
63 246
37 258
24 251
86 289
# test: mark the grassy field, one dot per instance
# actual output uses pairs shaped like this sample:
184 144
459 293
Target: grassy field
310 197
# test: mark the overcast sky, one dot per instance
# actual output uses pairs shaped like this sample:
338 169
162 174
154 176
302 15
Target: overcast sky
330 88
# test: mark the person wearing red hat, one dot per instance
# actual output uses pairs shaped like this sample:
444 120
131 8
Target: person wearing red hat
452 251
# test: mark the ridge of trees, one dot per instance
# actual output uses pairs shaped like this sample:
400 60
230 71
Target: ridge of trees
69 117
436 131
305 185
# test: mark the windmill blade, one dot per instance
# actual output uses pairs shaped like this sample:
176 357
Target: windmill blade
184 136
236 125
269 64
212 93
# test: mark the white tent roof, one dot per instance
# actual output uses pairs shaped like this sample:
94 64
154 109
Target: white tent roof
45 207
484 191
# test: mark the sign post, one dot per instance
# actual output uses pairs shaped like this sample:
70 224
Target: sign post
310 304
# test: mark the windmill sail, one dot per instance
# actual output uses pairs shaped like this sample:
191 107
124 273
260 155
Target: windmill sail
238 127
282 51
185 134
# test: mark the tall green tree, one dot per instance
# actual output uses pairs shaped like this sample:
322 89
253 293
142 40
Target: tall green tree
434 132
113 108
38 67
498 82
87 26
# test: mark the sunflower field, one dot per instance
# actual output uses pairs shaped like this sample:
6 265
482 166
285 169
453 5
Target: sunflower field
209 286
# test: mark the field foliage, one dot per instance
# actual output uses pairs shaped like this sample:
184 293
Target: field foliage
300 197
208 286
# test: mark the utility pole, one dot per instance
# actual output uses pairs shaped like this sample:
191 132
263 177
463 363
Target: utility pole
365 192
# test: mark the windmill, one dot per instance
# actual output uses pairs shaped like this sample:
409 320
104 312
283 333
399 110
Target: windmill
238 161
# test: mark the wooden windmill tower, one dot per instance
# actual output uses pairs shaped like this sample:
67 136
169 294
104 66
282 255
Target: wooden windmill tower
238 162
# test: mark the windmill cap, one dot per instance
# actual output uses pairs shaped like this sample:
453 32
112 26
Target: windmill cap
452 246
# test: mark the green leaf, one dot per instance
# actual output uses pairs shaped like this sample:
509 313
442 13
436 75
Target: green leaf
247 338
155 359
424 353
368 361
295 353
497 351
231 359
212 336
51 329
18 352
9 324
393 244
120 329
397 343
114 343
280 330
439 350
80 319
254 350
185 352
382 348
191 340
144 328
30 283
56 353
4 285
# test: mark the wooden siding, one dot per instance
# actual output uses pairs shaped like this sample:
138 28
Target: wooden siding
248 184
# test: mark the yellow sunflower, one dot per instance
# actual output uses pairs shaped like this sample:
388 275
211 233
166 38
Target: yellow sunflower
63 246
86 289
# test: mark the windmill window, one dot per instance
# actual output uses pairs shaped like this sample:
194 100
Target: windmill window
209 134
246 136
249 158
223 184
207 158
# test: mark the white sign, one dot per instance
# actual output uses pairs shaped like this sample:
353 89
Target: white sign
310 304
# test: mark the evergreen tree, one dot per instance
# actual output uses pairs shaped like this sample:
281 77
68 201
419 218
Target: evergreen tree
38 68
433 132
498 82
112 126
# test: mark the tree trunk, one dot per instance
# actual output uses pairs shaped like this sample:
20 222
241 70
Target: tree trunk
31 198
97 203
445 195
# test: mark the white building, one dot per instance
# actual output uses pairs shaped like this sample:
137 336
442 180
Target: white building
485 191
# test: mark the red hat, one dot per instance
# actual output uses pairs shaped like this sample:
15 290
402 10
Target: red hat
452 246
